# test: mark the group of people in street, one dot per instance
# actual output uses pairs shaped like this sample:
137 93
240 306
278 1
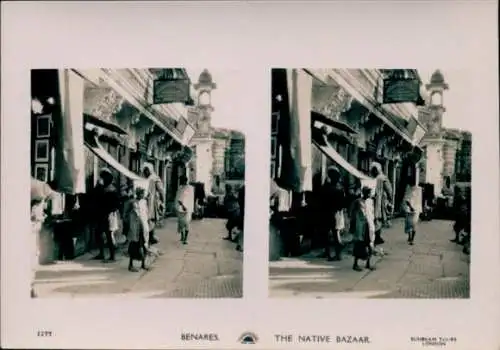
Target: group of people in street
130 217
142 214
234 205
367 208
135 212
139 209
363 211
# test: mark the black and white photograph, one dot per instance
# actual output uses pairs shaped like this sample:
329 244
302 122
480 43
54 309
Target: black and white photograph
146 195
371 189
231 174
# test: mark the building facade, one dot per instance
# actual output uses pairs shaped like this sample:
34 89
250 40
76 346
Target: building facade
350 127
463 163
221 143
110 120
219 154
235 157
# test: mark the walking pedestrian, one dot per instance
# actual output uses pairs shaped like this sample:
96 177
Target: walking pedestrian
382 200
199 200
462 215
363 229
185 207
138 230
412 206
332 202
232 211
155 200
241 220
106 203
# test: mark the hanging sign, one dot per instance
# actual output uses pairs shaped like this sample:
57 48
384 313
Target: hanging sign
416 131
171 91
418 135
193 114
401 90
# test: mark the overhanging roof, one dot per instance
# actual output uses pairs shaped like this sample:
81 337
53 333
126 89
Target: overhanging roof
315 116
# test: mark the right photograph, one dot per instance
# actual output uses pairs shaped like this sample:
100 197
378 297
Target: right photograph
370 192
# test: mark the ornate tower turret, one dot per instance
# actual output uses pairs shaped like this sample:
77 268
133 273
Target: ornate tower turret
434 141
204 89
202 141
436 88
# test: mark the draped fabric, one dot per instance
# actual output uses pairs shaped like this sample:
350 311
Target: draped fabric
154 192
383 193
320 141
296 167
69 150
98 150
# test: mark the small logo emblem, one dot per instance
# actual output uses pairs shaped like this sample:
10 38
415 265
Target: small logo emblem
248 338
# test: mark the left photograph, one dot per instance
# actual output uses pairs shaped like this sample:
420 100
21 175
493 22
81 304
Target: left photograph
135 190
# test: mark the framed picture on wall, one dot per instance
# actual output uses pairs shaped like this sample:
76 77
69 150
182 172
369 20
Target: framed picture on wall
42 151
42 172
274 122
273 169
43 125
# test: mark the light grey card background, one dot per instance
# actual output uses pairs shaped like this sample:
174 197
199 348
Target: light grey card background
249 38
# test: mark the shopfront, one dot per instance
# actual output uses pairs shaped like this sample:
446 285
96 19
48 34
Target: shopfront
346 130
89 128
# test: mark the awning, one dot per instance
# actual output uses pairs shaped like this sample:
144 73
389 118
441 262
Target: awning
93 145
87 118
315 116
342 77
320 140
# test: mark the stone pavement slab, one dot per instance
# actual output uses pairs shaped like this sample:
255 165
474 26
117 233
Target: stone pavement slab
432 268
179 267
215 287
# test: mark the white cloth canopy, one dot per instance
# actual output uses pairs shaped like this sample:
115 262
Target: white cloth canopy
93 144
325 147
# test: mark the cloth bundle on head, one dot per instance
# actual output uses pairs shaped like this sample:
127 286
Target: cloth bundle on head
39 190
273 187
378 167
148 166
333 170
283 197
143 182
106 171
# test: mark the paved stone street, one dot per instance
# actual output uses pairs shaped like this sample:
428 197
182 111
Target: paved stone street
207 267
432 268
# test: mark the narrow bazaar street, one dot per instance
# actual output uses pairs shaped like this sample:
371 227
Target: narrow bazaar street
207 267
432 268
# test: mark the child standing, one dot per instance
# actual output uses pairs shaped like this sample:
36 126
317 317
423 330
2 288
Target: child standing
138 230
363 229
412 207
185 208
